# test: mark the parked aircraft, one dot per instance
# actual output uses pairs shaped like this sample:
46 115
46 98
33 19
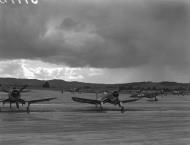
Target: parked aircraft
108 97
73 90
14 96
178 92
150 95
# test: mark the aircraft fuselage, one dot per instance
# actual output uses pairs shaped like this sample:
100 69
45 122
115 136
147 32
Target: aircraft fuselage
14 95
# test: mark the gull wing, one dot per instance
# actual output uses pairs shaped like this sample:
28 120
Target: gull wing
40 100
83 100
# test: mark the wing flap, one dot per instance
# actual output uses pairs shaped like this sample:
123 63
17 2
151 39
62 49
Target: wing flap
83 100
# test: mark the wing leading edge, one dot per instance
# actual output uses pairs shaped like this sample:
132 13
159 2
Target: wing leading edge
83 100
130 100
40 100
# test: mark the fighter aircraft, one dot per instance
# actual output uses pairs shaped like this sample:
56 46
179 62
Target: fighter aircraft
14 96
178 92
108 97
73 90
149 95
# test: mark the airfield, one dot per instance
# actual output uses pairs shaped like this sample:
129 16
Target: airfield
64 122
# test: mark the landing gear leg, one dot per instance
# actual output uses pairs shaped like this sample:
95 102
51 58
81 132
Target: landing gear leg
122 107
101 106
96 106
96 99
155 99
28 109
17 105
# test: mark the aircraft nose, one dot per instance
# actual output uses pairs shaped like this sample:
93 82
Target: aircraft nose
115 93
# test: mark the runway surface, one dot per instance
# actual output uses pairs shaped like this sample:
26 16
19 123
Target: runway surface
63 122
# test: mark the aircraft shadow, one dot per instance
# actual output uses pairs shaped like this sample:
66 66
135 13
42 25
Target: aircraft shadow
24 111
83 110
97 110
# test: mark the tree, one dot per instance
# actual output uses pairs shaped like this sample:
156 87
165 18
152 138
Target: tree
46 85
130 88
154 88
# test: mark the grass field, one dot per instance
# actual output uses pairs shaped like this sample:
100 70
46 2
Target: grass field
62 121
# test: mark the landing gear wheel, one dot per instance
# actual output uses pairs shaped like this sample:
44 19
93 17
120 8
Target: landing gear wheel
122 109
101 108
17 105
155 99
28 110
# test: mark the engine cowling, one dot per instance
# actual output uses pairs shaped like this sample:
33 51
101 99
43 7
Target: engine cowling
115 94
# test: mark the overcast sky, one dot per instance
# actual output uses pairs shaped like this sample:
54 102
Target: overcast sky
104 41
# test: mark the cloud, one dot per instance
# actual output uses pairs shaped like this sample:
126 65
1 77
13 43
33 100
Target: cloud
107 34
35 69
68 23
133 39
11 69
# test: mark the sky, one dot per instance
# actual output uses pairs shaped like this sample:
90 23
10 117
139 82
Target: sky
97 41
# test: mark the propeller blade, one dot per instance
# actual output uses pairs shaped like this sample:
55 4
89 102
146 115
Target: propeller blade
21 89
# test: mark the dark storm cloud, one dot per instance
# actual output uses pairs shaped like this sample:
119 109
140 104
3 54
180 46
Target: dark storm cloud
93 33
68 23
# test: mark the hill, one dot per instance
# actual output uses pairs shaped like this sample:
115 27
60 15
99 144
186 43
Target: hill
61 84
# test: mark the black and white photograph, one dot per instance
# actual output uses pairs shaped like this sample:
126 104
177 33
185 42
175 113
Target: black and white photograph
94 72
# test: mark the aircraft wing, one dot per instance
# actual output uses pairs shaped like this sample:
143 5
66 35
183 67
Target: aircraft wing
39 100
151 95
26 91
4 90
130 100
89 101
137 96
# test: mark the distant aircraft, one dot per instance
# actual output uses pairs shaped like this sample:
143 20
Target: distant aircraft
112 98
73 90
179 92
14 96
150 95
